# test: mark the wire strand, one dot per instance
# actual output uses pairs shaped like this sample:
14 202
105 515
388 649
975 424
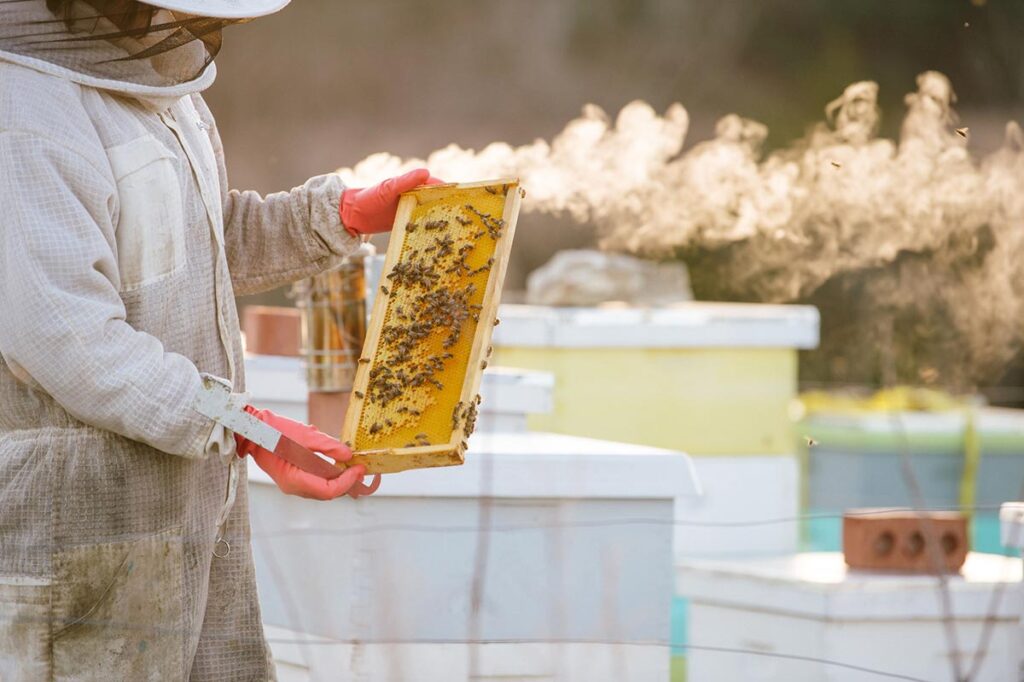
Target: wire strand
600 642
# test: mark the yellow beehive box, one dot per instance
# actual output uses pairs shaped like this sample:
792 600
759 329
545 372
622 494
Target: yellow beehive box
414 398
704 378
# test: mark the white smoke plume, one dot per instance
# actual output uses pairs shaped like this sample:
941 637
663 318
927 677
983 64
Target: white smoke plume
586 171
911 248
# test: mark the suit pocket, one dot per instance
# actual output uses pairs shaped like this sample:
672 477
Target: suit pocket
24 629
119 611
150 229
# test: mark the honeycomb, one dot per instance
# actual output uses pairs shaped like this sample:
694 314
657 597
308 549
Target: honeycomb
415 396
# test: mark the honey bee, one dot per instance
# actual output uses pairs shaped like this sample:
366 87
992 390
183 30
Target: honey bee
359 394
491 190
363 361
384 290
483 365
421 436
810 441
375 429
836 164
496 322
962 132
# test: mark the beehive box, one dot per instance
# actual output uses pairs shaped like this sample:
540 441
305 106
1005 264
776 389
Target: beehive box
414 399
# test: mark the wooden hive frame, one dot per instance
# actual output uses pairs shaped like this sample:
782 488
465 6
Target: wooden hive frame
392 457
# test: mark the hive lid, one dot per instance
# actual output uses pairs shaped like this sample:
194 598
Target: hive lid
819 585
684 325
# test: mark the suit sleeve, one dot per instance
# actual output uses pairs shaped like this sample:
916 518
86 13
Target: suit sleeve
64 324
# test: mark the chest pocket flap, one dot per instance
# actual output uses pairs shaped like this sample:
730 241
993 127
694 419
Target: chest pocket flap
150 227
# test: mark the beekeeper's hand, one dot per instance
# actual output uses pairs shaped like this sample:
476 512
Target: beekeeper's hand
293 480
372 210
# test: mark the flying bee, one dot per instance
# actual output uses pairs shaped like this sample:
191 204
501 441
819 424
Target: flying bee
836 164
962 132
810 441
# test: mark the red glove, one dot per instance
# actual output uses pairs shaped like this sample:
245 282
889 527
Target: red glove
372 210
293 480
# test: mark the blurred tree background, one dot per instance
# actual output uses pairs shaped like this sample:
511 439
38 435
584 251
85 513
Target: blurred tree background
326 82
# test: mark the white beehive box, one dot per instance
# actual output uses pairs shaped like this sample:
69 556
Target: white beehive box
1011 517
580 555
575 580
509 395
810 606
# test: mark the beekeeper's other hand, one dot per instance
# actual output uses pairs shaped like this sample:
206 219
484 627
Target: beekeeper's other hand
293 480
372 209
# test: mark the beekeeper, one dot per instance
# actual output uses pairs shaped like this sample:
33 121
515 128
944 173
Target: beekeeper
124 530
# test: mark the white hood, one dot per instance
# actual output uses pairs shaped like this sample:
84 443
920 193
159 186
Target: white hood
74 48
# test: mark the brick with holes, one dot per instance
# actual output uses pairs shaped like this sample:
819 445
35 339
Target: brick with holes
905 540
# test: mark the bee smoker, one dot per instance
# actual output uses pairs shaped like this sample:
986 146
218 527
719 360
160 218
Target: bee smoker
333 312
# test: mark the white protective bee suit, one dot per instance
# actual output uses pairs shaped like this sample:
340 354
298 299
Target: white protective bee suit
121 251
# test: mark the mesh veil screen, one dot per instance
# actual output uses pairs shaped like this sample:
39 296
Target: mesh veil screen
121 41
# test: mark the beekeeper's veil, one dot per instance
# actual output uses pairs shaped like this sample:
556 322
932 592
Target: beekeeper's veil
111 43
